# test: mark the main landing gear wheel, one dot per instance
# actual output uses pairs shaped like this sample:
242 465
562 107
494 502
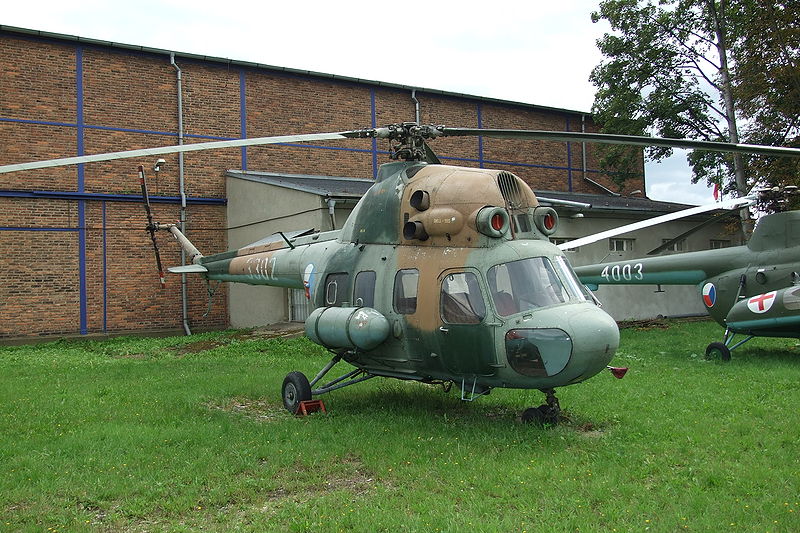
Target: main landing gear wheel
718 350
295 389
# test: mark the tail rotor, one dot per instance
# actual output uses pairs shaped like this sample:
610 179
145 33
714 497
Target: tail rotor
151 227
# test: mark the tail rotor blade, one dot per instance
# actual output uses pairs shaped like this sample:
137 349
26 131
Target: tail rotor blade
158 261
151 226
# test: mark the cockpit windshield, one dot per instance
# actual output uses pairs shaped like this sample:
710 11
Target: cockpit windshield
577 290
528 284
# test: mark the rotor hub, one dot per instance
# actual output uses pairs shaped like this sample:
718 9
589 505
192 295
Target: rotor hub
407 139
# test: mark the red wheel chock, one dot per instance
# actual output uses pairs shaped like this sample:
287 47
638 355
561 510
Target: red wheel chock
310 406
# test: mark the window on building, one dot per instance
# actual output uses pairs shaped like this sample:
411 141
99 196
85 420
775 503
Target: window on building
336 289
364 289
677 246
716 244
405 291
620 245
461 299
564 240
299 305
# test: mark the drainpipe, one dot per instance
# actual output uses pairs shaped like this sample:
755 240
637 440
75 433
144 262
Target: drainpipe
585 175
181 188
583 147
416 105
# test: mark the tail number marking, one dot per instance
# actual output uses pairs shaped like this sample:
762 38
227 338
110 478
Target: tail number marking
626 272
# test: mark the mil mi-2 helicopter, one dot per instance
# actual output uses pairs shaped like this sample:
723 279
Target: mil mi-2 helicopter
441 274
752 290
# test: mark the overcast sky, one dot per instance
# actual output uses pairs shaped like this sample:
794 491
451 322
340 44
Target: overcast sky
532 52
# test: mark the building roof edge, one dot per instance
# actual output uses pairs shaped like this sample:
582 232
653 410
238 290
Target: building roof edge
288 70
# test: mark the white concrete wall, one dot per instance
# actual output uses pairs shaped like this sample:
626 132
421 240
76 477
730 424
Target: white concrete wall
280 209
249 202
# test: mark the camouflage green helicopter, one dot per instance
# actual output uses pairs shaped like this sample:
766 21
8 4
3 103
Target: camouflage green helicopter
441 274
751 290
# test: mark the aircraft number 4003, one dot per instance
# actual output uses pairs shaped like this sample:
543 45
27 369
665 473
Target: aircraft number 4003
625 272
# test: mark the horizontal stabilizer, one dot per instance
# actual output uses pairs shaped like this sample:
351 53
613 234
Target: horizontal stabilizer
188 269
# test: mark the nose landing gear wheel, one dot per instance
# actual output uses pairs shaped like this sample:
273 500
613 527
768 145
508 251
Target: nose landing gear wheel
547 413
295 389
540 415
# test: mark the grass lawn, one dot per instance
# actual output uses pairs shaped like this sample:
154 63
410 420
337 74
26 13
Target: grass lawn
189 433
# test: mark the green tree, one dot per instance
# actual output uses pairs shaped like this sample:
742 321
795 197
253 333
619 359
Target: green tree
666 72
718 70
767 84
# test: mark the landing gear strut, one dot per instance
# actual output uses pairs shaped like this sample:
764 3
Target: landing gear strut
297 388
722 350
547 413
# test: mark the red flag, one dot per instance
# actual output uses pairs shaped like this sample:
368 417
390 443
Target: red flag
716 191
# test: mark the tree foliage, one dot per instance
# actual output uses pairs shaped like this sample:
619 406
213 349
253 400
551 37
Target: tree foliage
714 70
767 84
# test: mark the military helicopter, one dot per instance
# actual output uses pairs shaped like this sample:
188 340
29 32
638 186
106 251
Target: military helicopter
751 290
441 274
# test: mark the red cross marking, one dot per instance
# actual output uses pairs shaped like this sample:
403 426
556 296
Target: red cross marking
760 299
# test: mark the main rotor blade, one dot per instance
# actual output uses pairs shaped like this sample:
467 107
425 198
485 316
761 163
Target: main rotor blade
735 203
607 138
404 131
213 145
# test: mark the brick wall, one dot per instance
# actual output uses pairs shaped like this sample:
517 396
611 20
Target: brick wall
77 260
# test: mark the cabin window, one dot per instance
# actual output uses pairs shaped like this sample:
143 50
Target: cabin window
336 289
620 245
405 291
525 285
364 289
461 300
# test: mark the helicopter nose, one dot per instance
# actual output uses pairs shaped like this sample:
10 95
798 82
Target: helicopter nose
595 339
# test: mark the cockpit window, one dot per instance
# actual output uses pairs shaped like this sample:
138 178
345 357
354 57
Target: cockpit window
577 290
461 299
524 285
